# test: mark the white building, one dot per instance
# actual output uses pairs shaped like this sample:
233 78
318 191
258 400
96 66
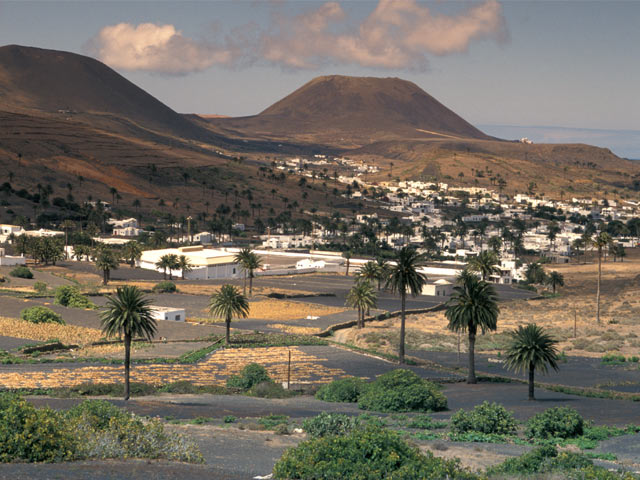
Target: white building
207 263
168 313
127 231
439 288
7 230
309 263
9 261
287 241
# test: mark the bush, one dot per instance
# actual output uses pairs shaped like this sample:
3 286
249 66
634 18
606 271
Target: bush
96 413
365 453
252 374
164 287
484 418
2 279
271 421
402 391
556 422
269 389
40 287
329 424
32 435
541 460
41 315
425 422
69 296
229 419
21 272
342 390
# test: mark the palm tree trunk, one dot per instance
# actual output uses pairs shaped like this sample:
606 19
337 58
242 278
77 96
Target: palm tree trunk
105 277
227 337
531 383
250 283
164 273
471 377
359 317
244 284
127 364
403 297
598 291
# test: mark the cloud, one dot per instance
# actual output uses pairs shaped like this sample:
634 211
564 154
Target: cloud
156 48
396 35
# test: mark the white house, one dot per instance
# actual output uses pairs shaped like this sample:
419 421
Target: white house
287 241
9 261
309 263
7 230
207 263
168 313
439 288
127 231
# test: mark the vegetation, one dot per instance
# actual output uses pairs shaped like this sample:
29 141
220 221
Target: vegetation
555 280
70 296
362 296
531 349
473 306
106 261
21 272
184 265
486 264
41 315
128 314
556 422
168 262
252 374
164 287
227 303
404 278
329 424
600 242
490 418
342 390
402 391
250 262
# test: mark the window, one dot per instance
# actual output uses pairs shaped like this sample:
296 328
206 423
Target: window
178 317
234 270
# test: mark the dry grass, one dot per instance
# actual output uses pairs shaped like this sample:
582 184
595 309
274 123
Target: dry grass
617 333
67 334
294 329
281 310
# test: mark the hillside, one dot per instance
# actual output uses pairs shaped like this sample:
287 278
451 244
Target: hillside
358 109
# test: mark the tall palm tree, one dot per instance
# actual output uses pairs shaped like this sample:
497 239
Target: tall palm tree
226 304
363 297
601 242
535 273
242 258
404 278
184 265
128 314
369 271
495 244
168 262
67 226
106 261
254 262
555 280
486 264
531 348
472 306
347 257
132 251
384 268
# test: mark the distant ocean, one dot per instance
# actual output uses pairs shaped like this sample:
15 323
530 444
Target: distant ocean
624 143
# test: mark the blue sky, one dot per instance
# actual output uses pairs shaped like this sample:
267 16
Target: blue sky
568 64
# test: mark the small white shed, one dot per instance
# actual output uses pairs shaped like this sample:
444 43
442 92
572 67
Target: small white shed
168 313
439 288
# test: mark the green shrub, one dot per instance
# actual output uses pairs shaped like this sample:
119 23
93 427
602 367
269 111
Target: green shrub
269 389
556 422
41 315
229 419
95 413
40 287
342 390
252 374
365 453
21 272
164 287
613 359
270 421
402 391
69 296
425 422
2 279
329 424
484 418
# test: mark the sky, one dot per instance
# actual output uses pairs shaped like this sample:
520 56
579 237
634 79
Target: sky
567 64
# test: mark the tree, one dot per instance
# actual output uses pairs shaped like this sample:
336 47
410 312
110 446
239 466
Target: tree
132 251
106 260
168 262
531 349
370 271
472 306
486 264
362 296
67 226
495 244
128 314
404 278
600 242
347 256
552 234
184 265
535 273
226 304
555 280
242 258
384 267
250 262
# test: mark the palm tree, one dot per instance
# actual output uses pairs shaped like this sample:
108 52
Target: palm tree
347 256
106 260
132 251
67 225
184 265
495 244
242 258
384 267
486 264
473 305
531 348
254 262
404 278
168 262
362 296
601 241
226 304
535 273
555 280
128 313
369 271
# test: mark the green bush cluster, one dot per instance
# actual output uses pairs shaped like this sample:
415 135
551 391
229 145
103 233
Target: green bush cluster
342 390
543 459
425 422
21 272
402 391
40 287
69 296
556 422
329 424
252 374
364 453
164 287
41 315
485 418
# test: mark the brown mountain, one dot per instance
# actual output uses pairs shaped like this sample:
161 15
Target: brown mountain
355 110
